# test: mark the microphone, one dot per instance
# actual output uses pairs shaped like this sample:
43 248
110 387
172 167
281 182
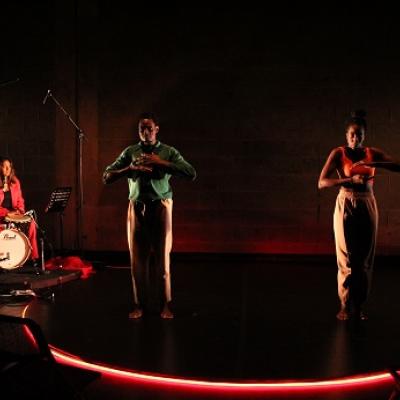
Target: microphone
48 94
5 184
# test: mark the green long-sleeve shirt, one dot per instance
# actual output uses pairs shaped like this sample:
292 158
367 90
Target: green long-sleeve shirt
144 186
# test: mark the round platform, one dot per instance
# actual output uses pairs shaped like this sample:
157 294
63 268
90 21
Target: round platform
234 321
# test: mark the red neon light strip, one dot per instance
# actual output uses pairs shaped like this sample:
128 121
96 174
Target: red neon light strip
364 380
351 381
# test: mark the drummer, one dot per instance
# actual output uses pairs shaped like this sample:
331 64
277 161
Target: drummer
12 203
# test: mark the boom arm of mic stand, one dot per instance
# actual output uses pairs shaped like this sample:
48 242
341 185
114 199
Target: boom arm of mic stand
80 131
6 83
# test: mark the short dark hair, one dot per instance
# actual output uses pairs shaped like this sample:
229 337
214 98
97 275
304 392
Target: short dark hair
149 115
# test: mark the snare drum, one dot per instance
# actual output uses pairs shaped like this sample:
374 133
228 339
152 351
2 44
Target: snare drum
18 221
18 218
15 248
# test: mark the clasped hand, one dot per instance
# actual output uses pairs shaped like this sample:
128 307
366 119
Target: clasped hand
146 162
359 179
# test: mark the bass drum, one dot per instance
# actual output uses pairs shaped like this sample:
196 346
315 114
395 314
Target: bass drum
15 249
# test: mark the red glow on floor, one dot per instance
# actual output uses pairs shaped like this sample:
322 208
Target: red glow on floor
360 382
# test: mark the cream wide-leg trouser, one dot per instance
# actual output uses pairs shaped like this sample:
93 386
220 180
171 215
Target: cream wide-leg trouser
149 229
355 222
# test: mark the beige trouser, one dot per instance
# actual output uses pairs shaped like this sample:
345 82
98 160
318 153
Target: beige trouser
355 222
149 229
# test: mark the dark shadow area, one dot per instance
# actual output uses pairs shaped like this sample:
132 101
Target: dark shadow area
28 368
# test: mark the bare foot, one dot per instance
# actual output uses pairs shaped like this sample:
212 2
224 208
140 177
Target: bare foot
136 313
342 315
167 313
362 316
359 314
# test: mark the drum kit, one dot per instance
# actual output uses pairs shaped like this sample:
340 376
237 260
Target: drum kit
15 247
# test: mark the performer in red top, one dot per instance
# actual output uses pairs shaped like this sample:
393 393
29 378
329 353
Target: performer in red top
12 202
356 213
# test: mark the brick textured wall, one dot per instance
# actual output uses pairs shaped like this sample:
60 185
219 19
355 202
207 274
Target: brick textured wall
255 102
27 127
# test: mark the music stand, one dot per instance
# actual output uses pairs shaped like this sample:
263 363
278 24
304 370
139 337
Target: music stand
57 203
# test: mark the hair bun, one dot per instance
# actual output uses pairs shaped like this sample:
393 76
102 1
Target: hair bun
358 114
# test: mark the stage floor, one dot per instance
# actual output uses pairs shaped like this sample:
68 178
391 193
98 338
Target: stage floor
243 319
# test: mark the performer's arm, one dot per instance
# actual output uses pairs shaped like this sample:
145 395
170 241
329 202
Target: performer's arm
18 199
111 175
382 160
3 212
181 167
176 165
19 204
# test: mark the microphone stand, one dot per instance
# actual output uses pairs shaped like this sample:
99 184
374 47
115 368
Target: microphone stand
81 137
9 82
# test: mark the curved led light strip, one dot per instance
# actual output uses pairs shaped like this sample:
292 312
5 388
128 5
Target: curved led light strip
146 377
350 382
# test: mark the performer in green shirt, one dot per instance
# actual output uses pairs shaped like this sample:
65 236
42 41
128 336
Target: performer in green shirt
148 166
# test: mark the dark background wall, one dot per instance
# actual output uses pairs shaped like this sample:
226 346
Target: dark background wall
255 100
